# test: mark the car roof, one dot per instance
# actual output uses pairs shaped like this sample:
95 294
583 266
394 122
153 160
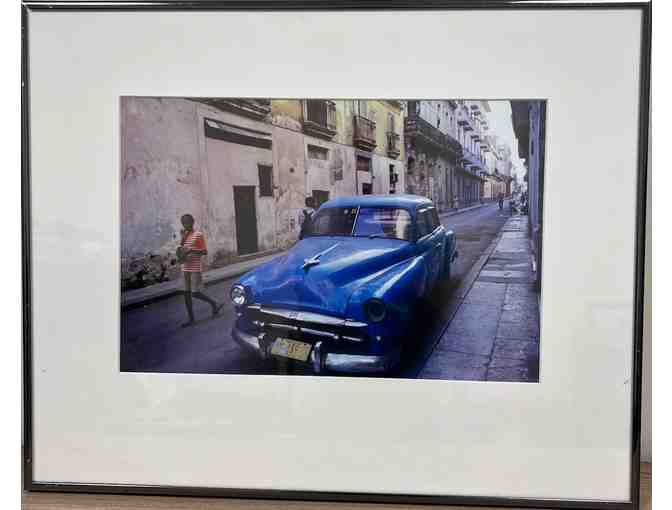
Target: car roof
404 201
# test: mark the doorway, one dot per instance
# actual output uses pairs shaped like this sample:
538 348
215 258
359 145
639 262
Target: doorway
246 219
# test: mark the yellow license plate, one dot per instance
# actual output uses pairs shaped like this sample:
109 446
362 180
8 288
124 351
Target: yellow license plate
291 349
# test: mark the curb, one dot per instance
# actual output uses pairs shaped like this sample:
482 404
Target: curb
460 211
460 293
471 277
132 304
159 295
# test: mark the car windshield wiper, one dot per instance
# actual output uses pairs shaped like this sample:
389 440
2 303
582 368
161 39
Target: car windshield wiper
376 236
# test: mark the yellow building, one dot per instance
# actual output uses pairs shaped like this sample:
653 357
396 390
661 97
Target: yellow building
351 147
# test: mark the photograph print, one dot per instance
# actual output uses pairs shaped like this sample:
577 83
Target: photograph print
338 237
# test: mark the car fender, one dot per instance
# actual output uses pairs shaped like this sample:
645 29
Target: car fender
398 286
450 249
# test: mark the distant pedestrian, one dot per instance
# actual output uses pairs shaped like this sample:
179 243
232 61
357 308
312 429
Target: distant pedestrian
306 218
190 253
501 200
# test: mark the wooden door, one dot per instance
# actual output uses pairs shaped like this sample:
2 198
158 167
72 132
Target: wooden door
246 219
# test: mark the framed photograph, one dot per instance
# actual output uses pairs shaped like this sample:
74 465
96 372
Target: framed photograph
353 251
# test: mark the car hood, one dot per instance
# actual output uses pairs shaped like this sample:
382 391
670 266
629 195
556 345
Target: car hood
321 273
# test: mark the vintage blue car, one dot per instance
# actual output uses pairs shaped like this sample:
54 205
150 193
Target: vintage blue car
342 298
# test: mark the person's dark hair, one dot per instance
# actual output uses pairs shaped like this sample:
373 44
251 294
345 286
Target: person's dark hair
187 217
310 202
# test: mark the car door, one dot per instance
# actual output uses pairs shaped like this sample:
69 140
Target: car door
430 243
437 240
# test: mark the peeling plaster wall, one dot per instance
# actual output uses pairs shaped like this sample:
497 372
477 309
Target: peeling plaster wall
431 177
169 168
336 174
381 173
287 113
229 165
160 180
290 178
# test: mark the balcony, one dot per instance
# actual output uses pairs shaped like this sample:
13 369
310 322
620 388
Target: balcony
319 118
394 102
471 162
365 133
393 145
417 128
464 119
257 109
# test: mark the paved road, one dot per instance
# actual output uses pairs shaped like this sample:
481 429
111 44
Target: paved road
152 340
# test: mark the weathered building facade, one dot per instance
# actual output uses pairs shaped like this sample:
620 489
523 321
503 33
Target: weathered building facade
349 147
492 183
529 124
471 129
444 154
243 168
497 169
432 151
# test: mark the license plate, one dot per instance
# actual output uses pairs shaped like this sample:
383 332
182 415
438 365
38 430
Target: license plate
291 349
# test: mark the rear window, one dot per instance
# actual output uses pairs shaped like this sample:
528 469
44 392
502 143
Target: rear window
384 222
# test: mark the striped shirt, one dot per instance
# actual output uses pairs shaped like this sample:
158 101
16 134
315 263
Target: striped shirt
194 240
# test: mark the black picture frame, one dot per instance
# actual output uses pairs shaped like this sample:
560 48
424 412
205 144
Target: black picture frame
30 484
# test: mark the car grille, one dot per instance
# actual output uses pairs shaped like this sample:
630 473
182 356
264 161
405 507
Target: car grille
306 325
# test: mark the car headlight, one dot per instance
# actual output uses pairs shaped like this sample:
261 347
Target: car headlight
238 295
375 310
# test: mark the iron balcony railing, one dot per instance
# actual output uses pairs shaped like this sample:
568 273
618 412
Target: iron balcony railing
416 126
471 161
319 117
365 133
464 119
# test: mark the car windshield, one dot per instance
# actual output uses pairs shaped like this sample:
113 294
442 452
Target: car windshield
387 222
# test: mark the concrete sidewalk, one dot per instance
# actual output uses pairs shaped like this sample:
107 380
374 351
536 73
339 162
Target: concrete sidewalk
494 334
139 297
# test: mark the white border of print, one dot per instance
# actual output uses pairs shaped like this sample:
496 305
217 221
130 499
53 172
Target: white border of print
93 424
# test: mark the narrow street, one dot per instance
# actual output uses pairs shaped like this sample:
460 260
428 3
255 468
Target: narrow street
153 341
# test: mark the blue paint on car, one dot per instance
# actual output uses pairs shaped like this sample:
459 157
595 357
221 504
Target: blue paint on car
343 297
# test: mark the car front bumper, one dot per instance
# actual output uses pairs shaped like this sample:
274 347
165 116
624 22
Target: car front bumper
320 359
